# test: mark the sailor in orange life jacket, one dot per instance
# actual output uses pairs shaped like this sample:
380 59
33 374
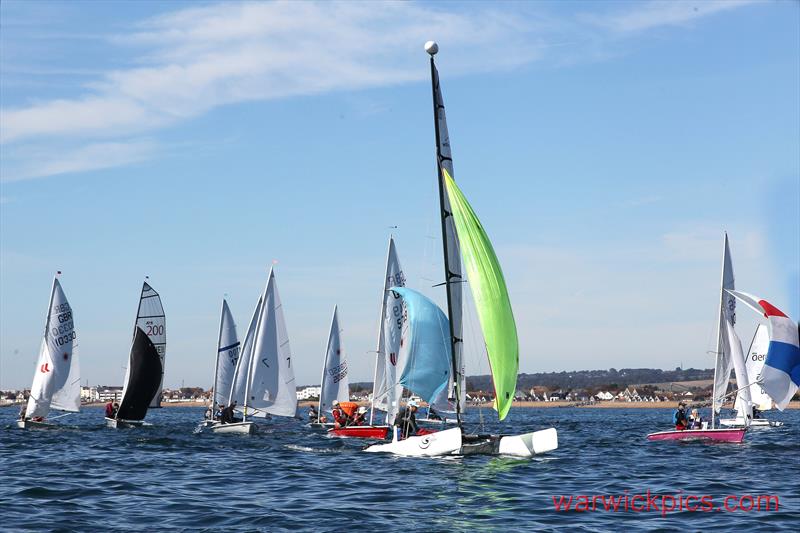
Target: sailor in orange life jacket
340 418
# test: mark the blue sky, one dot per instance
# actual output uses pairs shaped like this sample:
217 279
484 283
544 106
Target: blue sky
605 146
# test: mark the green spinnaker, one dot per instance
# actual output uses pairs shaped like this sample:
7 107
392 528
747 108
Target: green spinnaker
489 291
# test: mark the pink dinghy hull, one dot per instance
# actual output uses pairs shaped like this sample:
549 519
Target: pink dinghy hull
718 435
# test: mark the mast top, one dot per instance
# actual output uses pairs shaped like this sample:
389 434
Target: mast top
432 48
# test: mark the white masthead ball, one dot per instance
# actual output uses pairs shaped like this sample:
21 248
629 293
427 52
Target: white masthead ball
431 47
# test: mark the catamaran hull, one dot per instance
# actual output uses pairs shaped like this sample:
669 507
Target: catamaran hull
452 442
526 445
238 428
118 423
360 432
715 435
436 444
757 423
32 424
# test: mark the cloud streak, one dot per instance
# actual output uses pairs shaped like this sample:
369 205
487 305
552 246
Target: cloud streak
193 60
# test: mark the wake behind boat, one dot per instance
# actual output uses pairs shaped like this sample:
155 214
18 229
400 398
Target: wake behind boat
56 382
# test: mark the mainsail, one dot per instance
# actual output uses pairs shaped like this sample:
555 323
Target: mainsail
271 387
754 362
241 374
386 392
335 384
426 353
56 382
227 357
151 320
142 379
726 320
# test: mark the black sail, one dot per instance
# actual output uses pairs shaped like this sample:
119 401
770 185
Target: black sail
144 378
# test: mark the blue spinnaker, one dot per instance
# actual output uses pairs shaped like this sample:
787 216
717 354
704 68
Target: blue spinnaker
427 361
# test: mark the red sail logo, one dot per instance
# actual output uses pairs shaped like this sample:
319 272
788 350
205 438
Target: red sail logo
45 368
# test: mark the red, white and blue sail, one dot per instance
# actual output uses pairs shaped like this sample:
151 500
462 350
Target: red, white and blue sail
780 377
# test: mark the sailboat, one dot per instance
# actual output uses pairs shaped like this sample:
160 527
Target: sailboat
334 385
463 237
225 364
386 391
264 382
754 363
728 354
56 382
145 372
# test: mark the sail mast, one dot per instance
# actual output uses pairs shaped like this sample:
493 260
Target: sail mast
432 48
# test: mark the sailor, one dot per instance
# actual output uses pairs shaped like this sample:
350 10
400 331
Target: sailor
679 418
406 419
340 418
23 411
220 410
313 415
209 412
227 414
110 409
114 409
361 416
695 421
432 414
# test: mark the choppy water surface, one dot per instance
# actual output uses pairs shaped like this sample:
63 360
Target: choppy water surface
87 477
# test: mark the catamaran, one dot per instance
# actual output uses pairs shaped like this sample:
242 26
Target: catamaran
728 354
264 380
145 372
463 237
754 363
225 364
56 382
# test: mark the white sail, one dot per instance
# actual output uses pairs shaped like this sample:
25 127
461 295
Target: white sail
754 362
151 319
454 278
272 387
335 383
56 381
743 390
727 315
227 356
386 392
241 374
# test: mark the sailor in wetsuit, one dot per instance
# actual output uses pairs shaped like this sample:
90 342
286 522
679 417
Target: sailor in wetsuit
679 418
406 419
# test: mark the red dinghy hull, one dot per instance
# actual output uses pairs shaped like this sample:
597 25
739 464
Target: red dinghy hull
718 435
360 432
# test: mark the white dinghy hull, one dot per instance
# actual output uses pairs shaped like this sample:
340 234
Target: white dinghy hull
756 423
238 428
32 424
118 423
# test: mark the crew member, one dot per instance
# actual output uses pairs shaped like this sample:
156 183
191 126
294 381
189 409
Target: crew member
679 418
406 419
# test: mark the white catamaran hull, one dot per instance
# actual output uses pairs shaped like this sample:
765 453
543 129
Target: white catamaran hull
32 424
239 428
755 423
452 442
118 423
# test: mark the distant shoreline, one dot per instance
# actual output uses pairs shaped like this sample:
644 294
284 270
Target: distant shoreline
487 405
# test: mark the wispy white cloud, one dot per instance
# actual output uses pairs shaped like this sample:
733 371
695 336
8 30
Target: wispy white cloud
93 156
193 60
647 15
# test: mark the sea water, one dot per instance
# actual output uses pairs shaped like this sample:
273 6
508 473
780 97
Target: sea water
86 477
